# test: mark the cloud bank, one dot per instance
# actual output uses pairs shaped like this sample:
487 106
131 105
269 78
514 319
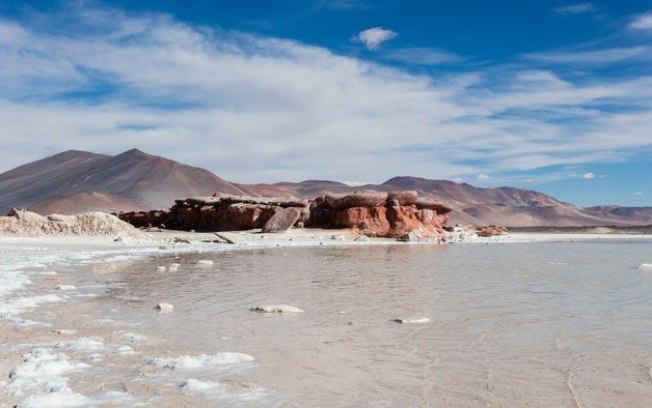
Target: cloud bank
252 108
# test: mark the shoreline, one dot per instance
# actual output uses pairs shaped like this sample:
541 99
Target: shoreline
70 328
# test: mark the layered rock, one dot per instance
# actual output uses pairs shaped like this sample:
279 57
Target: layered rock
391 215
397 216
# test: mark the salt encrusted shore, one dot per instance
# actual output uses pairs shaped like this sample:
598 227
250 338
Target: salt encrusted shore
41 362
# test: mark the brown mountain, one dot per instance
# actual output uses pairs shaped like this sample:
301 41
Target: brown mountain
479 206
76 181
129 178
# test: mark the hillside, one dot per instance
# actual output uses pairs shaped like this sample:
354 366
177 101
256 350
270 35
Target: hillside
139 178
75 181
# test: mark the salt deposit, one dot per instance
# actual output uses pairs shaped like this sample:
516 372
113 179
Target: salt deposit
43 372
203 361
205 262
13 307
645 266
413 320
29 224
65 287
224 392
164 307
277 309
133 337
160 269
82 345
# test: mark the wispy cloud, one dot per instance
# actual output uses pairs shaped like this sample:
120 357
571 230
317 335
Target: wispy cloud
579 8
593 57
253 108
642 22
342 4
422 56
373 37
589 176
483 177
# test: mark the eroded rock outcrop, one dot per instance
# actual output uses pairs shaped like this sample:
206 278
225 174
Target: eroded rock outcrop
391 215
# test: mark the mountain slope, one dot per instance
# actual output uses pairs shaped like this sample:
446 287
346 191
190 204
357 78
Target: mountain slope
75 181
146 180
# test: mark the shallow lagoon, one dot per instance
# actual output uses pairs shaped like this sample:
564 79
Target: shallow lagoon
512 324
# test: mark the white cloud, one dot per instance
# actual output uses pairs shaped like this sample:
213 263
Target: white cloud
592 57
642 22
638 193
575 9
589 176
483 177
372 38
422 56
263 109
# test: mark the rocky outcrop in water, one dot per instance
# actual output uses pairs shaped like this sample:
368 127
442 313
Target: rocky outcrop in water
391 215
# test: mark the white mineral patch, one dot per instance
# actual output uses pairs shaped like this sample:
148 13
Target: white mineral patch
164 307
227 393
205 262
47 273
160 269
82 345
15 306
65 287
203 361
42 373
174 265
645 266
413 320
126 350
276 309
133 337
64 332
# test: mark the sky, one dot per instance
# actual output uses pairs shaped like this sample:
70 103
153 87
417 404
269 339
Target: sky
551 96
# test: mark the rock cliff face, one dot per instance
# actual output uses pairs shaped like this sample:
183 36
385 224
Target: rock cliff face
391 215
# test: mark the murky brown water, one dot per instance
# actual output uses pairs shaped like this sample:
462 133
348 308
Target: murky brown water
545 324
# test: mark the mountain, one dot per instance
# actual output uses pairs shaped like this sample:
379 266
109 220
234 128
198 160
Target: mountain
76 181
479 206
129 179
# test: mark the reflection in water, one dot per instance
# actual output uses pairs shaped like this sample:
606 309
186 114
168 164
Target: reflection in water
544 324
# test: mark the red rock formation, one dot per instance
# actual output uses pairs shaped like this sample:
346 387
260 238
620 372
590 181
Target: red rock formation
390 215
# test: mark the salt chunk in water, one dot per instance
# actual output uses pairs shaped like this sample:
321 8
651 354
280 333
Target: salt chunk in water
413 320
164 307
276 309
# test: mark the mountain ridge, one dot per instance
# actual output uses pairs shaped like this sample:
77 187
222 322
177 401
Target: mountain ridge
76 180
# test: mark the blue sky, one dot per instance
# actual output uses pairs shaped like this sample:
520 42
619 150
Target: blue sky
550 96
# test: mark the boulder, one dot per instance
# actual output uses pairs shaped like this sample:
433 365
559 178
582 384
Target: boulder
283 220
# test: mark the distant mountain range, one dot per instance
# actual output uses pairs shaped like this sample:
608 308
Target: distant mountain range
77 181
